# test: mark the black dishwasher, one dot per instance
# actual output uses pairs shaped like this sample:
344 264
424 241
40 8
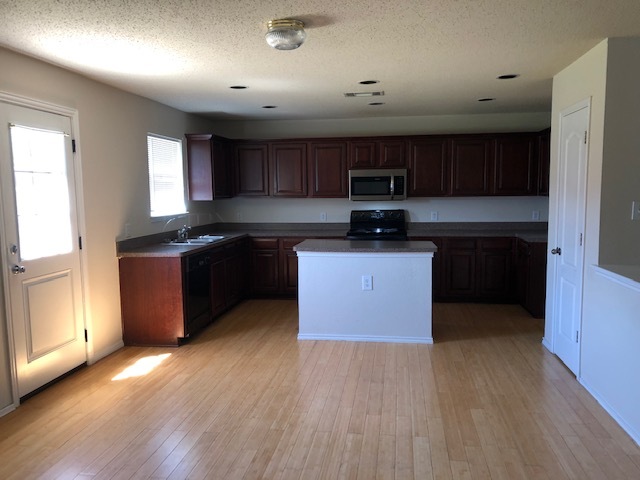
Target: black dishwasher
198 289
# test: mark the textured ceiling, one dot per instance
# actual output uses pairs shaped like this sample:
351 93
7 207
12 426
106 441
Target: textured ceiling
432 57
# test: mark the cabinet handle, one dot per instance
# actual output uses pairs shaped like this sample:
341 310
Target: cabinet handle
556 251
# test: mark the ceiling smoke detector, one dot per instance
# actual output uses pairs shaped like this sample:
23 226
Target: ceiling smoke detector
285 34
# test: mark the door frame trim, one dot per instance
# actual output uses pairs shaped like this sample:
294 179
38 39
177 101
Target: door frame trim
72 114
552 259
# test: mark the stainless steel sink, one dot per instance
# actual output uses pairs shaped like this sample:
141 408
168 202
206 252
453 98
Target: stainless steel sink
201 240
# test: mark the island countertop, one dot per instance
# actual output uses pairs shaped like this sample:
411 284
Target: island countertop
365 246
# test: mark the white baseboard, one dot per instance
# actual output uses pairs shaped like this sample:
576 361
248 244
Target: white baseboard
547 344
633 433
362 338
95 356
7 409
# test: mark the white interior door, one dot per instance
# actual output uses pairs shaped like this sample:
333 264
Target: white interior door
41 237
569 241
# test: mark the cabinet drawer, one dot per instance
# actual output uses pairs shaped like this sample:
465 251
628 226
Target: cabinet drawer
461 243
496 243
264 243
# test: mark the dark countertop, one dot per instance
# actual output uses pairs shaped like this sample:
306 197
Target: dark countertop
364 246
151 245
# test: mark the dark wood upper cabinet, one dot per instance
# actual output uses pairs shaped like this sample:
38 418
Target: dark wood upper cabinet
516 165
252 169
363 154
429 167
471 165
208 167
289 169
328 169
392 154
544 160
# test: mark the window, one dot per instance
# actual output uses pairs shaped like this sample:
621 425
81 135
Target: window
166 185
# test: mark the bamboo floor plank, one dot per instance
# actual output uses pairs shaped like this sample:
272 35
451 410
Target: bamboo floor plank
246 400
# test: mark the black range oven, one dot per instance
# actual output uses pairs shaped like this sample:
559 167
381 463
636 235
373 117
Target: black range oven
377 225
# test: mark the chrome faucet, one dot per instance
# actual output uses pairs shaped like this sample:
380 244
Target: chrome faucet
183 233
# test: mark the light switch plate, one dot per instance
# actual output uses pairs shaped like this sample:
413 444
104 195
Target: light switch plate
434 216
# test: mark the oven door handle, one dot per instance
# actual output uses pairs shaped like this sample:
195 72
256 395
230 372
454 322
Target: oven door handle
392 186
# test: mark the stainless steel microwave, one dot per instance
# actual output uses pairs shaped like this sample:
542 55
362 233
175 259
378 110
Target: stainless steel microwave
378 184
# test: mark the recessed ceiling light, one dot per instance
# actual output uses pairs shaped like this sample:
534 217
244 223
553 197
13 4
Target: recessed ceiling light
269 106
486 99
376 103
238 87
368 82
508 76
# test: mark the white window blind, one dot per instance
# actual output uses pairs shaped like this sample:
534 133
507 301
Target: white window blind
166 184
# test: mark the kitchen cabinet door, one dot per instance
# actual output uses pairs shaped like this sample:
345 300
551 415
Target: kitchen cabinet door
328 169
363 153
208 167
544 160
218 285
459 268
496 269
289 258
532 276
392 154
516 165
252 169
429 167
289 169
265 270
471 166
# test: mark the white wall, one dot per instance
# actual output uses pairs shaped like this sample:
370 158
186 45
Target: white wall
619 235
488 123
113 156
610 329
308 210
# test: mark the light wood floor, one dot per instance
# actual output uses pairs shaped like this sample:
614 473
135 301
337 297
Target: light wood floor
245 399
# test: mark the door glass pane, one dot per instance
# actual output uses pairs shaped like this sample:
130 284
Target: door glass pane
42 193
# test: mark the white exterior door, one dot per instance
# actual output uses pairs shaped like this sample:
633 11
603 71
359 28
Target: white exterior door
42 258
568 249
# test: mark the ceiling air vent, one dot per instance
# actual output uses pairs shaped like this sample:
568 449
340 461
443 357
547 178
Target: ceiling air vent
364 94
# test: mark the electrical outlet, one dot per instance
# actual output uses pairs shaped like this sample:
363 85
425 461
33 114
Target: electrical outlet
367 282
323 216
239 216
635 210
434 216
127 230
535 215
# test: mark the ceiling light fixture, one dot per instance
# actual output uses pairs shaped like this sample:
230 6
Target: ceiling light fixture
364 94
285 34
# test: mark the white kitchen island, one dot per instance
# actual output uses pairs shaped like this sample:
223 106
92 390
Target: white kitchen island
369 291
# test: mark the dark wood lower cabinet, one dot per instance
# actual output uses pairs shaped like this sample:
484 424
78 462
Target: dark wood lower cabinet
496 266
165 300
532 276
274 266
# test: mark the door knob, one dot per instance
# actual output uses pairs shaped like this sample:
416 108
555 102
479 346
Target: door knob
17 269
556 251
